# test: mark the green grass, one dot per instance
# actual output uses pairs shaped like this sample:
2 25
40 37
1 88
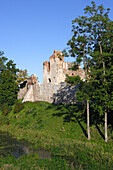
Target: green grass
59 130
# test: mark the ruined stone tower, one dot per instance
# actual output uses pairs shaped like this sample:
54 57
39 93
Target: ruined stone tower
55 71
53 89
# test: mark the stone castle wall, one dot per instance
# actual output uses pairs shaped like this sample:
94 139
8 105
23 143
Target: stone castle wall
52 93
22 92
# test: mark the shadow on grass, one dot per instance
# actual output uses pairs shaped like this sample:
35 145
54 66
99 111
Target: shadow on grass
71 113
77 113
84 131
100 132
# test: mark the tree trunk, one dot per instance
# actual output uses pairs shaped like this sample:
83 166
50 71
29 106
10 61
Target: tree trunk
106 138
88 123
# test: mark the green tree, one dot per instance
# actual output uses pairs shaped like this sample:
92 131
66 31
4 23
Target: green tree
101 36
8 88
92 44
8 85
79 46
2 61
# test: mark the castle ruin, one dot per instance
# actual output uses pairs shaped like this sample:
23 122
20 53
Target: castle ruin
56 69
54 89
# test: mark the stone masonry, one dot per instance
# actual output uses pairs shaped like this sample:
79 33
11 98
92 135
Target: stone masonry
56 69
54 89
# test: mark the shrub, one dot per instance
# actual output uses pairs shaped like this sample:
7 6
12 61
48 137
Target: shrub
4 120
18 107
5 108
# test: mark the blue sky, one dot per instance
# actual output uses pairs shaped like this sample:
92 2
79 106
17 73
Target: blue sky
32 29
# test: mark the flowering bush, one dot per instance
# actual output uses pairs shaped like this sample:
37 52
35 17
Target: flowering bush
18 107
5 108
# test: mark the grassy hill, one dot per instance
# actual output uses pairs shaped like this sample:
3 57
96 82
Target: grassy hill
58 130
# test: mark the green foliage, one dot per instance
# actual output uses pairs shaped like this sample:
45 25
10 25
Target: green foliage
92 45
4 120
101 56
2 61
6 109
18 107
73 80
8 86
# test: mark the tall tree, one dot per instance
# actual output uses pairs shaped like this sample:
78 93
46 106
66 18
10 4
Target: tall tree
79 48
92 43
101 36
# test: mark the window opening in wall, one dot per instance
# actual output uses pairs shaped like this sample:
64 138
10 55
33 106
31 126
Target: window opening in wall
49 80
23 84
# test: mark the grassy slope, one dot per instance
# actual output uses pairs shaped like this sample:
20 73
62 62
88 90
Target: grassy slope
56 129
